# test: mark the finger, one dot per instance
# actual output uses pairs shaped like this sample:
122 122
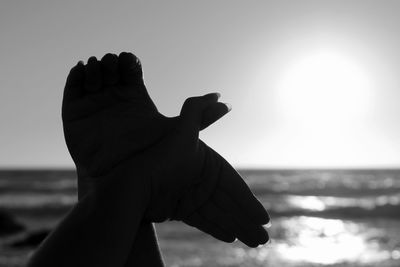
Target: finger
254 233
73 87
83 107
109 67
130 69
210 98
193 108
134 89
225 221
201 223
233 184
213 113
92 75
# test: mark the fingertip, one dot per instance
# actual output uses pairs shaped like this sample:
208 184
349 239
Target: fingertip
265 237
211 97
92 59
213 113
125 58
264 244
109 57
266 241
128 59
109 61
109 65
123 54
93 78
130 68
251 245
255 234
74 84
260 215
76 74
80 66
267 225
228 106
265 218
230 239
203 224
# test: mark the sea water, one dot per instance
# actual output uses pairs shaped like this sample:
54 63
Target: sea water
319 218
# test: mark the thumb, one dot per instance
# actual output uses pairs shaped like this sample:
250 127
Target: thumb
202 111
213 113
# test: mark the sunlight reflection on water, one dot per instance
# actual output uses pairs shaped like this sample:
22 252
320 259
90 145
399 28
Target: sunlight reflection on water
320 203
327 241
307 202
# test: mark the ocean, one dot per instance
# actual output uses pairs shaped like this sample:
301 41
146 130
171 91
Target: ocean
319 218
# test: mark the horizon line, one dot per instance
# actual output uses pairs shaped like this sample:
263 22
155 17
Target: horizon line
238 167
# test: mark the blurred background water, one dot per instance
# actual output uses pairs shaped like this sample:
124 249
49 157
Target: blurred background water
319 218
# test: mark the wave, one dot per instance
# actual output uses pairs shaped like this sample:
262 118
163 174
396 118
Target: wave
384 211
36 200
321 193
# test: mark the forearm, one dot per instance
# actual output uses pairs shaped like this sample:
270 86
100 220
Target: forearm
101 228
144 250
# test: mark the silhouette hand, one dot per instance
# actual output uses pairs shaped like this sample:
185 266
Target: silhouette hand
108 116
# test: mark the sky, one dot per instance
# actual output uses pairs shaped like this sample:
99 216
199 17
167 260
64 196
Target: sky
313 84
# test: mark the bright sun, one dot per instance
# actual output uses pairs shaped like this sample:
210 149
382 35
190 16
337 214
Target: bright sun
324 88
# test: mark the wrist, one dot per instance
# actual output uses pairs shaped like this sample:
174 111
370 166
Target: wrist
129 175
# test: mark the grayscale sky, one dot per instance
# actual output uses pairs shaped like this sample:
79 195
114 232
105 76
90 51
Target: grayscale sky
312 83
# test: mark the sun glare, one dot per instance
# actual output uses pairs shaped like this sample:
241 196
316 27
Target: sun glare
324 87
330 241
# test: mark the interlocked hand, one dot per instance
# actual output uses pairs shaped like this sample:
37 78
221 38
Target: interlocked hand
108 117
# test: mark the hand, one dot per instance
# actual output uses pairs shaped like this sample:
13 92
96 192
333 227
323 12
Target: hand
109 116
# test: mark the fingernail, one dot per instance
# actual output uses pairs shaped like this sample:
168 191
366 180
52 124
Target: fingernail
136 66
265 244
218 95
268 225
135 63
80 63
228 106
